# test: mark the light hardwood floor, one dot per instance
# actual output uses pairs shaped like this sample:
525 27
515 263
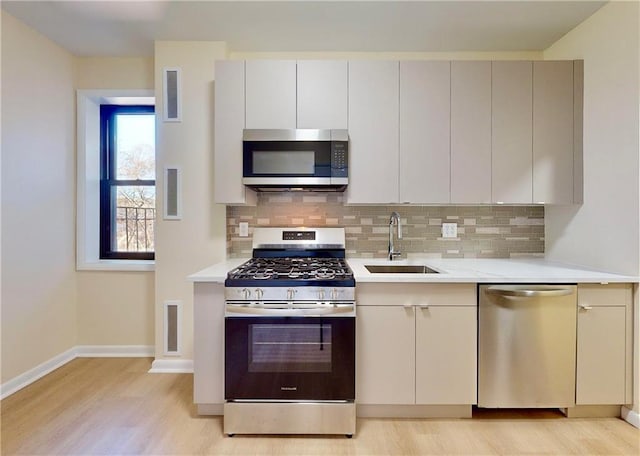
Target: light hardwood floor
113 406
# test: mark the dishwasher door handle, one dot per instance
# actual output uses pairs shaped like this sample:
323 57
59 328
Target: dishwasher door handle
530 292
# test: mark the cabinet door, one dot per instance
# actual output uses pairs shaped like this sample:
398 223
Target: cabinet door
228 125
385 355
373 132
322 94
600 361
553 132
208 343
512 156
470 132
425 115
446 348
270 94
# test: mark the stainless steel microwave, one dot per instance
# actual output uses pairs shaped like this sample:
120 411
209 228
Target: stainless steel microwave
295 159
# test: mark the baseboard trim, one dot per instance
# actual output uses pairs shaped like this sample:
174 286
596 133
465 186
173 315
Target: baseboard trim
631 417
413 411
115 351
172 366
27 378
210 409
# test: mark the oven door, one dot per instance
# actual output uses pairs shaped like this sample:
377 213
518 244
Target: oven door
290 358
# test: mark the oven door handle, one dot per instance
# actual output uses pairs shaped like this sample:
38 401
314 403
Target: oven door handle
244 310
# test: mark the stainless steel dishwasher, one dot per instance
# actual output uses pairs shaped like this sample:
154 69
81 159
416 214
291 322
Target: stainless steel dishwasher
527 346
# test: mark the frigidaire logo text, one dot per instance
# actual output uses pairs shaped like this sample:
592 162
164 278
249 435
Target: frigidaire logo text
289 388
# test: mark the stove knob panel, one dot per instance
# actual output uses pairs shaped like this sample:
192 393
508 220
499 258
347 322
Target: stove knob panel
246 293
259 293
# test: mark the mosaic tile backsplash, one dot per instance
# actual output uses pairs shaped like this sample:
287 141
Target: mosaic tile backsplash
483 231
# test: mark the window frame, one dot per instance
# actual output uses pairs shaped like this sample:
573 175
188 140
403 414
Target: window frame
108 180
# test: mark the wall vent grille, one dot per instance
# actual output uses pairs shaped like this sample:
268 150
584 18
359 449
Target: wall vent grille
172 95
172 325
172 193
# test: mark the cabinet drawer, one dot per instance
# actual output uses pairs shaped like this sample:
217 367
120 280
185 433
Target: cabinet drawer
596 295
416 294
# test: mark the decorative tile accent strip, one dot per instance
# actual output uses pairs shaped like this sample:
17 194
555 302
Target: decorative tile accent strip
483 231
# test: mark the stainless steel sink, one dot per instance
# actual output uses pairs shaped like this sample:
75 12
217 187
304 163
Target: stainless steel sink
399 269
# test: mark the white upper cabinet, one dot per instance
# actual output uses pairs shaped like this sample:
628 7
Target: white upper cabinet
512 156
470 132
578 113
270 94
373 132
420 132
553 161
228 125
322 94
425 114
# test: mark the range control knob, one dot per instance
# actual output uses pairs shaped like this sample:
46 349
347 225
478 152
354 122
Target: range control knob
334 294
291 293
246 293
321 294
259 293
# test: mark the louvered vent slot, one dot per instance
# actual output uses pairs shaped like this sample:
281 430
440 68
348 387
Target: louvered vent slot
172 317
172 95
172 193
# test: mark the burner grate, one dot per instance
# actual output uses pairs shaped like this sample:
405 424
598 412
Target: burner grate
308 269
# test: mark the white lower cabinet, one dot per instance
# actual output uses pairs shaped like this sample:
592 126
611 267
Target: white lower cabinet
208 343
446 355
416 344
603 362
385 355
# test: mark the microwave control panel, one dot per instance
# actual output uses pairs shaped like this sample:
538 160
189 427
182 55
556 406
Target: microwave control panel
339 158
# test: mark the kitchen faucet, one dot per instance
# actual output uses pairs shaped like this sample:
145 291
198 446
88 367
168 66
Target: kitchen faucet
394 220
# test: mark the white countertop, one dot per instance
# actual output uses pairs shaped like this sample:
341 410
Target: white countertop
468 270
529 270
216 272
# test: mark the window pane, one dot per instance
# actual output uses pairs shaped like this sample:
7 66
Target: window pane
135 216
135 151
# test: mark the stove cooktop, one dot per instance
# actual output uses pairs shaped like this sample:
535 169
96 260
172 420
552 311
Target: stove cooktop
280 272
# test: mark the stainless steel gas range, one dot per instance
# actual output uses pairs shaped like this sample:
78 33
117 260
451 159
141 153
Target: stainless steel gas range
290 336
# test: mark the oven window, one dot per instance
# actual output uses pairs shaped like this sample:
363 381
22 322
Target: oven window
290 348
284 162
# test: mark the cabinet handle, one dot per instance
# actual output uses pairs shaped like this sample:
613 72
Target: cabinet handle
585 307
424 306
408 308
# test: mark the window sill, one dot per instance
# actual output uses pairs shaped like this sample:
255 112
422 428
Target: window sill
117 265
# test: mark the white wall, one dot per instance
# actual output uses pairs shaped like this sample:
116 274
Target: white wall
199 239
115 308
603 232
38 199
114 73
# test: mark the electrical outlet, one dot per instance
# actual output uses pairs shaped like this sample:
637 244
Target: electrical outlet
449 230
244 229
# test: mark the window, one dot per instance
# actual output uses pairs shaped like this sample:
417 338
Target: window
127 182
